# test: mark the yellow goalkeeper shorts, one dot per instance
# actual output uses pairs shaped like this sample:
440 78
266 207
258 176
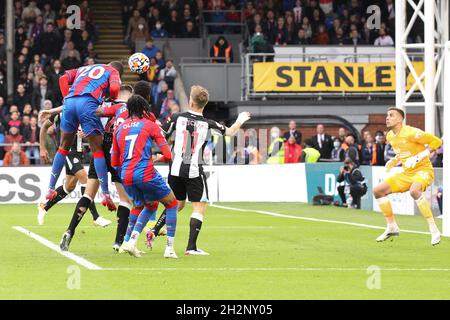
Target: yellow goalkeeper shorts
401 182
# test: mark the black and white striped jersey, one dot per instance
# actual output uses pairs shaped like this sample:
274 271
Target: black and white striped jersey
192 132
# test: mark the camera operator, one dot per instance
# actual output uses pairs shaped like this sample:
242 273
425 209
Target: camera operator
354 181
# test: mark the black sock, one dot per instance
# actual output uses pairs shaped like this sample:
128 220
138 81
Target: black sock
123 213
92 207
160 223
78 214
60 194
195 226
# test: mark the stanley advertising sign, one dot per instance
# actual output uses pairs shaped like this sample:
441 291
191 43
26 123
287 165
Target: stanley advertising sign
328 77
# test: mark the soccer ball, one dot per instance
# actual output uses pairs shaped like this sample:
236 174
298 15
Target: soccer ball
139 63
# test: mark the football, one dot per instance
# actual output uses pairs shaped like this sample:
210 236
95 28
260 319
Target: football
139 63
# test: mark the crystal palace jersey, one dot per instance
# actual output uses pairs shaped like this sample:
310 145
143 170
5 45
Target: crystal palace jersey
93 80
133 141
191 134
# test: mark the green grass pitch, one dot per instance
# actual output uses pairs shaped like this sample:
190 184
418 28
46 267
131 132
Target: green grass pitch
253 256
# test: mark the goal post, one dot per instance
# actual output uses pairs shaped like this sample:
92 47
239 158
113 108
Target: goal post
446 139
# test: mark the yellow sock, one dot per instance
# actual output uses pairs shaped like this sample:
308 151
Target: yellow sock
385 207
424 208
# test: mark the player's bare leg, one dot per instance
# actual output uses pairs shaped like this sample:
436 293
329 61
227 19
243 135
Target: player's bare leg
95 142
199 209
424 207
59 161
61 193
381 193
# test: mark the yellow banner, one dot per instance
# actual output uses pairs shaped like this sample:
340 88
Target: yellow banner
328 76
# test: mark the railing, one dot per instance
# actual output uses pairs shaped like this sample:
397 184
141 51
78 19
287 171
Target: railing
205 14
249 59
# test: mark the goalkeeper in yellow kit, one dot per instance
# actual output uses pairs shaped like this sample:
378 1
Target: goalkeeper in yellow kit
412 148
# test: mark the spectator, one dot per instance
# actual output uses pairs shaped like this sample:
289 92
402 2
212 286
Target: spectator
339 38
351 150
276 148
27 110
31 137
368 151
174 25
14 120
25 123
190 30
49 42
51 142
338 153
48 13
160 60
301 38
15 157
150 49
355 181
153 72
70 47
321 36
53 74
137 29
168 74
221 51
21 97
13 136
389 153
167 106
3 89
354 38
383 39
218 18
292 150
322 142
30 12
342 133
71 62
159 32
309 154
279 35
293 132
380 140
160 96
299 12
41 93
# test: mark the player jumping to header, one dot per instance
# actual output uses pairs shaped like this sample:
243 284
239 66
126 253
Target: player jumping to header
412 148
132 156
89 86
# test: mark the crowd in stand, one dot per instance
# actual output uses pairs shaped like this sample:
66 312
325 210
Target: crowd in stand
44 49
289 146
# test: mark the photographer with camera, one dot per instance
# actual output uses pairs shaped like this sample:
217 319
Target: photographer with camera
354 184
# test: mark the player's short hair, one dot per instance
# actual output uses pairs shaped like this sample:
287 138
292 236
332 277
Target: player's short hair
200 96
137 106
126 87
402 113
118 66
143 88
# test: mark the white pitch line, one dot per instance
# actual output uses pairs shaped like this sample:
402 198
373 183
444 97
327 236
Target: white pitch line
276 269
274 214
81 261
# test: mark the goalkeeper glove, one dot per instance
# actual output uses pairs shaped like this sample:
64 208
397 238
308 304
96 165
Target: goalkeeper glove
411 162
391 164
243 117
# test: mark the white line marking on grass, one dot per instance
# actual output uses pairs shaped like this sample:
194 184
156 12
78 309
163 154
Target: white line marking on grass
81 261
275 269
274 214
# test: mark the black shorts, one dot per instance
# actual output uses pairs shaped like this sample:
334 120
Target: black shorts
196 189
92 174
74 163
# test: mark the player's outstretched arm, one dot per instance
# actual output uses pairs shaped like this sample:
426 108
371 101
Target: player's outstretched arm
242 118
44 114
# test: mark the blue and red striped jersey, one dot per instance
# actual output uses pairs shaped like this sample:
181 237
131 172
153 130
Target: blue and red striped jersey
132 149
93 80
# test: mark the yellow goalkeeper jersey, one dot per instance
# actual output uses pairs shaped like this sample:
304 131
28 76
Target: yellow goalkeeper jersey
410 141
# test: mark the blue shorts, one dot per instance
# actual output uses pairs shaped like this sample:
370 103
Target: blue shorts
80 110
145 192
